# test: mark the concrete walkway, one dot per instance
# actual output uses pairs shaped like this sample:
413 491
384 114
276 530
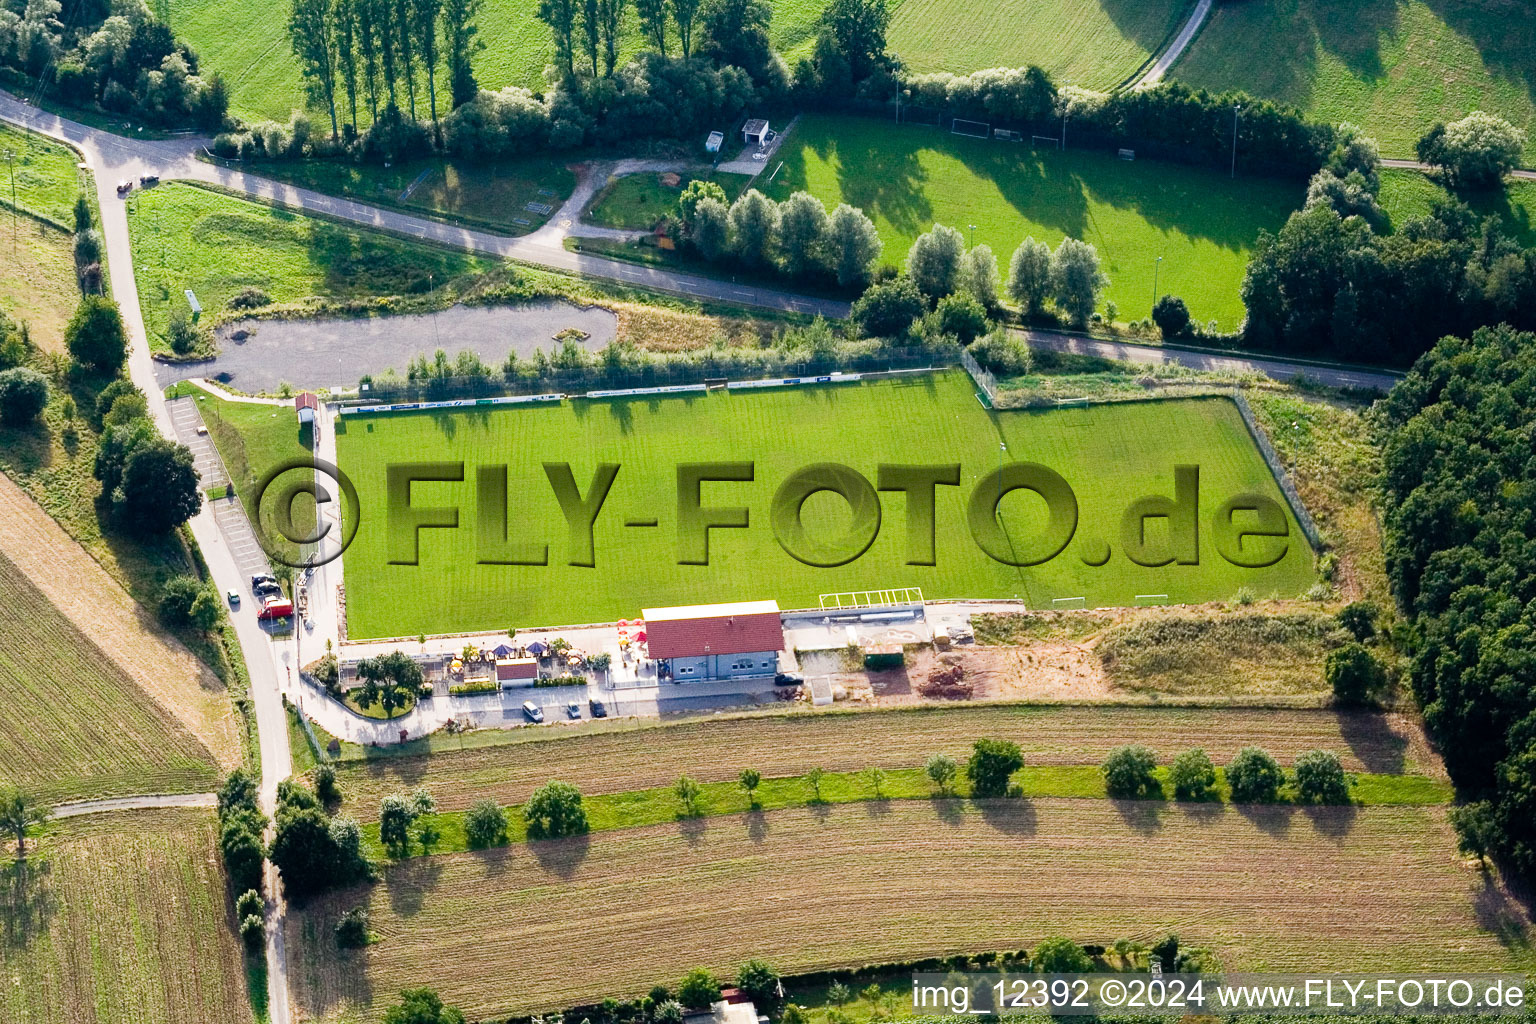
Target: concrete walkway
135 803
1170 56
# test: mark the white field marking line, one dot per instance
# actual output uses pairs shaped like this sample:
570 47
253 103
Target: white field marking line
1059 600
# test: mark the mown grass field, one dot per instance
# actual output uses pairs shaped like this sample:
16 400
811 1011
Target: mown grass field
651 755
639 200
1343 889
76 726
494 195
909 177
122 919
190 237
1409 194
1394 67
37 271
1096 43
1109 454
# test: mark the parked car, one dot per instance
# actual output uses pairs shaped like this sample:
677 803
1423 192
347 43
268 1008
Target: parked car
147 180
788 679
532 711
261 578
573 710
124 187
268 590
234 599
598 708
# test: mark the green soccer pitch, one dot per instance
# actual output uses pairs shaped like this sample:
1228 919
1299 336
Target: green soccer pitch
1109 455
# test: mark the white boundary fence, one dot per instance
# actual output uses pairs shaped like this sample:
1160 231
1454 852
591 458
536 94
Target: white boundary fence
453 403
1277 468
983 379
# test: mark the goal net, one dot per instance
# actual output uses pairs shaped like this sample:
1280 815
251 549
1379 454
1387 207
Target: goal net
975 129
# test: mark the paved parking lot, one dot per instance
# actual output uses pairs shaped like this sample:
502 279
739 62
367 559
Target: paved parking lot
229 513
188 422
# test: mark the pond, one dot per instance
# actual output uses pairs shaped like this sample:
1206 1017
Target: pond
261 355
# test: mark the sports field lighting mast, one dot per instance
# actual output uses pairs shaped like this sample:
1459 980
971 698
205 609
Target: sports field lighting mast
10 158
1236 109
1155 268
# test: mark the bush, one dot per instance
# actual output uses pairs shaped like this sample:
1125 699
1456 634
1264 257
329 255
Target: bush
1003 354
23 396
760 983
95 335
1192 775
253 932
962 316
698 989
1355 674
1477 829
325 783
1058 955
177 596
992 764
1359 617
1128 773
109 395
1254 776
554 811
1320 779
1171 316
888 309
182 334
352 929
1475 152
485 824
250 902
249 297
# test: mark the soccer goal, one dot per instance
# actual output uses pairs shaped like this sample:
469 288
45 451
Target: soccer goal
975 129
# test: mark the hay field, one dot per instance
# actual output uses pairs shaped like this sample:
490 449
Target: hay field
1109 455
790 744
122 919
1273 888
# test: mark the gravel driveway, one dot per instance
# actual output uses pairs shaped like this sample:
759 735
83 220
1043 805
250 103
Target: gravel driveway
336 352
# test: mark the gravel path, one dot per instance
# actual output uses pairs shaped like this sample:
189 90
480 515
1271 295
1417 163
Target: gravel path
336 352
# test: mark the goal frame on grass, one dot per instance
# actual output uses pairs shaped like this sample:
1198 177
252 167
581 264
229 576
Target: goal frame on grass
970 129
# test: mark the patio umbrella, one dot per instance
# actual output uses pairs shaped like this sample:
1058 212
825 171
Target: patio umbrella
503 651
537 648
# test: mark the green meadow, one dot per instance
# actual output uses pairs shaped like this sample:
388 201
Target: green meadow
907 178
1108 454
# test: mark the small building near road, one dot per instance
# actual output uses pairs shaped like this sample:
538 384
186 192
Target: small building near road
306 405
516 671
715 641
755 131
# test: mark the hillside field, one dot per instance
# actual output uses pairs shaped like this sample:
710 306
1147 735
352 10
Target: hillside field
76 725
909 177
648 754
1109 455
37 270
1394 67
190 237
1094 43
1409 194
1274 888
122 919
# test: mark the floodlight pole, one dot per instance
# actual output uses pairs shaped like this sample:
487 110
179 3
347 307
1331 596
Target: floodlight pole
10 158
972 243
1002 448
1155 268
1236 107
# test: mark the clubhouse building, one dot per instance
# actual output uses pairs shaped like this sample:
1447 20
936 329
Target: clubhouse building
715 641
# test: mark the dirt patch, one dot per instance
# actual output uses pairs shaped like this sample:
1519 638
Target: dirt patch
101 609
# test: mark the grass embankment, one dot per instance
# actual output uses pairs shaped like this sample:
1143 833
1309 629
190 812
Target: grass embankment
638 201
1095 43
122 919
634 754
493 195
37 269
190 237
1109 454
1361 889
633 809
1252 653
1409 194
907 178
1394 67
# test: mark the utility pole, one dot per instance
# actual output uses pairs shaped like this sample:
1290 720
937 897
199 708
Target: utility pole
1155 268
10 158
1236 107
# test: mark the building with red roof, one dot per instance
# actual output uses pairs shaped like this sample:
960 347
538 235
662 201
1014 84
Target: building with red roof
715 641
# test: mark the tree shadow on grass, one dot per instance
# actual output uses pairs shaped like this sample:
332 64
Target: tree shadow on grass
879 807
757 824
1144 816
1271 819
561 857
27 903
1335 822
494 859
693 828
1374 741
1501 911
950 809
1506 44
410 881
1014 816
1204 812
